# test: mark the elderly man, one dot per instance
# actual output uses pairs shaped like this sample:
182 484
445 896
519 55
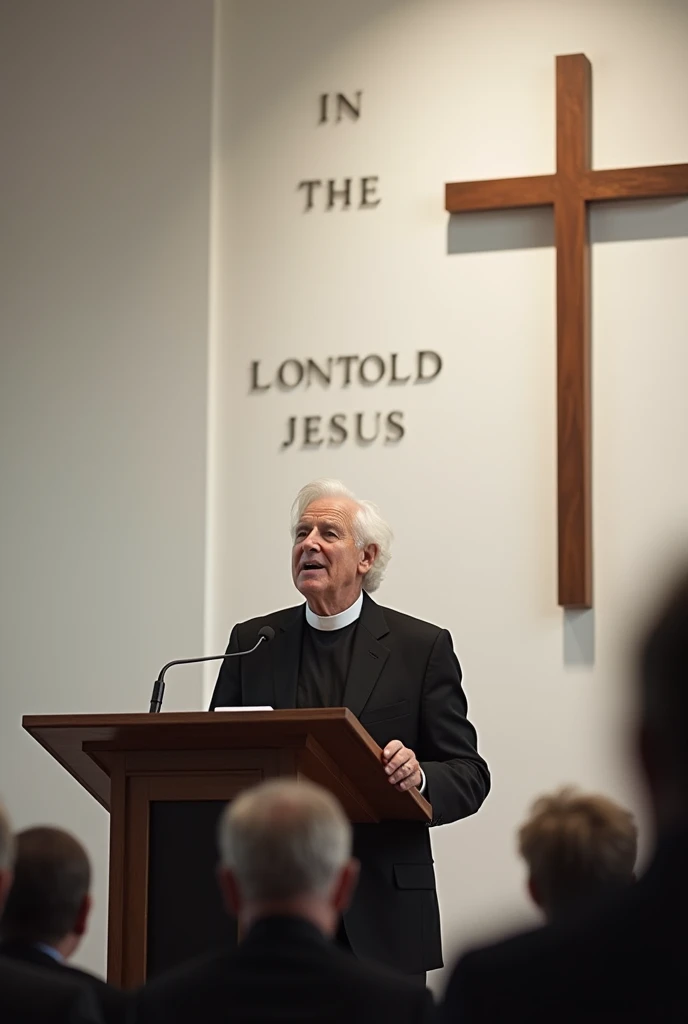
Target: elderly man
401 678
31 994
286 872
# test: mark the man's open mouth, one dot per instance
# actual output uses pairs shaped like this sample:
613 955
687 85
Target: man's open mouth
311 565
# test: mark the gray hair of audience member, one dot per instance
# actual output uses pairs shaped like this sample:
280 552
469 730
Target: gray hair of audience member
663 670
52 877
577 845
369 526
283 840
6 841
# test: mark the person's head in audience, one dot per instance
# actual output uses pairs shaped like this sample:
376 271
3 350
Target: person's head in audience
49 901
577 847
663 671
6 856
285 849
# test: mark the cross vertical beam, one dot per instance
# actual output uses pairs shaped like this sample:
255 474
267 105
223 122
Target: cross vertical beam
574 475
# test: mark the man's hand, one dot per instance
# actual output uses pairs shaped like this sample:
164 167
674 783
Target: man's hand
401 766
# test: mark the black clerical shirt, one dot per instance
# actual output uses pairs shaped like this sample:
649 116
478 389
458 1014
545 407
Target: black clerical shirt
324 667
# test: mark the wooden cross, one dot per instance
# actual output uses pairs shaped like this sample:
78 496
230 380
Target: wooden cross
569 191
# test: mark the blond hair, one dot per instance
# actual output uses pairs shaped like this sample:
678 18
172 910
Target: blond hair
577 845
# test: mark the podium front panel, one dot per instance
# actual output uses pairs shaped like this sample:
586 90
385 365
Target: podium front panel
168 908
185 913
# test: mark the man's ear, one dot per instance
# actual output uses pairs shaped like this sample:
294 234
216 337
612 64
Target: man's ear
344 886
231 895
368 555
81 922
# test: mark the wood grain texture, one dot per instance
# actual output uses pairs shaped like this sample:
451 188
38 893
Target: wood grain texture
116 930
135 896
315 763
499 194
84 745
574 128
668 181
574 477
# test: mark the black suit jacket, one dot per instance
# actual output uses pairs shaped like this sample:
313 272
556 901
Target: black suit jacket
624 964
112 1001
29 995
286 971
404 683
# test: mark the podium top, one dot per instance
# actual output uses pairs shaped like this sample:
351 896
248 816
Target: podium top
87 746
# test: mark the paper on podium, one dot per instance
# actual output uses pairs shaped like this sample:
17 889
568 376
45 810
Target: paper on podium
258 707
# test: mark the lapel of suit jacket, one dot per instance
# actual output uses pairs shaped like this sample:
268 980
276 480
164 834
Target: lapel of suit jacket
368 656
285 651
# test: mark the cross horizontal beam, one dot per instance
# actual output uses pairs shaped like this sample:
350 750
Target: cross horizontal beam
500 194
668 181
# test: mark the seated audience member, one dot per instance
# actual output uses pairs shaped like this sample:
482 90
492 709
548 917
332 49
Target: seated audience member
286 873
47 911
579 848
625 962
29 995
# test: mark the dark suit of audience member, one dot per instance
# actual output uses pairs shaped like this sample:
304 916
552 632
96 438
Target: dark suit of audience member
285 970
47 911
626 962
286 873
31 996
112 1001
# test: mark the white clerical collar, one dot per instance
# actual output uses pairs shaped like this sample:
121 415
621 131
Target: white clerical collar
338 621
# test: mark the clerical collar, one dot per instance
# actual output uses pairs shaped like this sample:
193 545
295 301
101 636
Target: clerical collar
338 621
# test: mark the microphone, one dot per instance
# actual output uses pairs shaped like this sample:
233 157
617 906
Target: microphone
265 633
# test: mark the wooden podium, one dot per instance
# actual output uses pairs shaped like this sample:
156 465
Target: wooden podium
165 779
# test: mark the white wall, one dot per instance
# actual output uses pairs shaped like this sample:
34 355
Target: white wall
106 282
457 90
105 205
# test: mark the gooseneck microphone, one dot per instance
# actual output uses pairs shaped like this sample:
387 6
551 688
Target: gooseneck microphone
264 633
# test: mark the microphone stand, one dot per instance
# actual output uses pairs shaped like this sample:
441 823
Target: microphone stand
159 684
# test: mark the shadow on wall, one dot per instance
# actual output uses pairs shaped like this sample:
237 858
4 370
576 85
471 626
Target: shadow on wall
622 221
579 638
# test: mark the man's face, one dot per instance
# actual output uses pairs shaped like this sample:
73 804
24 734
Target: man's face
327 566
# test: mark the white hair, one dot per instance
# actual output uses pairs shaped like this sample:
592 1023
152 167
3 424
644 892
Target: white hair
284 839
369 526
